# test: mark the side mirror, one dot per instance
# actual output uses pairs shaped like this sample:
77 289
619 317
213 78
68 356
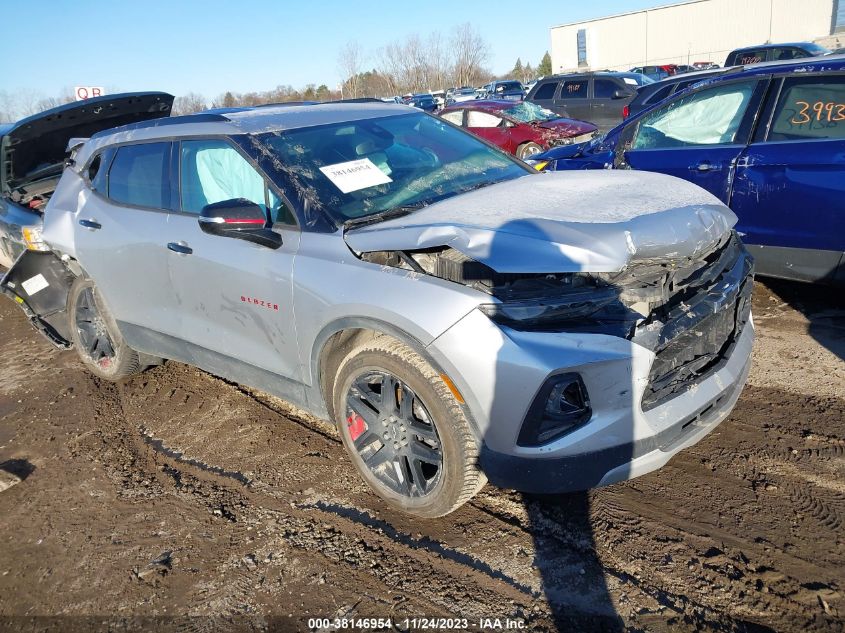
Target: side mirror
622 94
241 219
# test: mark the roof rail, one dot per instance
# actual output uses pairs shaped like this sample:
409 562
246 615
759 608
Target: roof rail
202 117
358 100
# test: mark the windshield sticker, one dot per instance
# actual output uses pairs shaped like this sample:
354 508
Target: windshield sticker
355 175
34 284
630 81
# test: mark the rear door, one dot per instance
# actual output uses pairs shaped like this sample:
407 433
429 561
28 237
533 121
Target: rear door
789 189
698 136
235 296
573 99
120 234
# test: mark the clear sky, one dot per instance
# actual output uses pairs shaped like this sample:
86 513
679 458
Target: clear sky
210 46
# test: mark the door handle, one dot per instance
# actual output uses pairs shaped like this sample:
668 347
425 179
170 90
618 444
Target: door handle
180 247
705 166
91 225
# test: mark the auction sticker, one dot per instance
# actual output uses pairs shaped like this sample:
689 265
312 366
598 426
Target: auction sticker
34 284
355 175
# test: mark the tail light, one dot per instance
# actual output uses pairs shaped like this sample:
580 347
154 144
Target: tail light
625 112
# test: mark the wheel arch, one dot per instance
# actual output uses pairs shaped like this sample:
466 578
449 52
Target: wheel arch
338 338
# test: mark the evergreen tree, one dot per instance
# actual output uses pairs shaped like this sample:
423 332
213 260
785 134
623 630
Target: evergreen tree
545 67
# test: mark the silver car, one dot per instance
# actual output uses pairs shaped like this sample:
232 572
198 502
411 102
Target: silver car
460 317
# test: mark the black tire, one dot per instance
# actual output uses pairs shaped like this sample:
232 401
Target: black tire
427 421
95 335
527 150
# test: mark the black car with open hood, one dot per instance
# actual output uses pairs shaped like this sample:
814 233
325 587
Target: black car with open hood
33 150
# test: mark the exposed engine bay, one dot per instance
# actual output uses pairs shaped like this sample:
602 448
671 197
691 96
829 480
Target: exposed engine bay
689 310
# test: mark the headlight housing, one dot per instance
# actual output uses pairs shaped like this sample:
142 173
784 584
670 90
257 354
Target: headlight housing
566 306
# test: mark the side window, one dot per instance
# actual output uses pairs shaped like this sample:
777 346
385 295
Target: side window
456 117
788 52
574 89
810 108
660 95
546 91
212 170
476 118
708 117
749 57
604 88
98 170
139 175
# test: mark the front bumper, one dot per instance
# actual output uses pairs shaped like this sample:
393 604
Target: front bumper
633 429
629 459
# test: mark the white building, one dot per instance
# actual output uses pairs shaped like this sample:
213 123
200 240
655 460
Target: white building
687 32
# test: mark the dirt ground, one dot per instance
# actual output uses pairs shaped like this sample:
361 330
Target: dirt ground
177 500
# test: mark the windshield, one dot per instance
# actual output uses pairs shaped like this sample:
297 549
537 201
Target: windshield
526 112
360 168
816 49
508 86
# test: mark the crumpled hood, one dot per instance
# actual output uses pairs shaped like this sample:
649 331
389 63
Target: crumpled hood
593 221
568 127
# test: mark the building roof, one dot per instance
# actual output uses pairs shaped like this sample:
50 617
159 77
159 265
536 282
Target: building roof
619 15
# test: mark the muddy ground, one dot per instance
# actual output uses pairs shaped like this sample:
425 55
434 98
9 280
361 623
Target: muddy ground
178 494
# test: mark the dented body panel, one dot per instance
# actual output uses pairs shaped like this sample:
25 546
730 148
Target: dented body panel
563 222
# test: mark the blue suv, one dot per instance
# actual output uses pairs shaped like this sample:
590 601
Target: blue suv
768 140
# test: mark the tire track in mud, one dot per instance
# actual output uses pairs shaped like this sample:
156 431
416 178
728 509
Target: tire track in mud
733 535
301 530
233 495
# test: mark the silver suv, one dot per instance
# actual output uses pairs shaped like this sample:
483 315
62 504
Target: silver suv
460 317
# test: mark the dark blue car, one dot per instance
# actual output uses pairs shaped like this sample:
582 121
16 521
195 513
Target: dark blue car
768 140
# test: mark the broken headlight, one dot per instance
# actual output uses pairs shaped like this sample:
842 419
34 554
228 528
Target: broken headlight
575 304
33 239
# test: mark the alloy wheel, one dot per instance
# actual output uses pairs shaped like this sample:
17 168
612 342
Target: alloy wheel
394 434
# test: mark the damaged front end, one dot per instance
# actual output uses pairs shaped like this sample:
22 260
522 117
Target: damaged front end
689 311
39 282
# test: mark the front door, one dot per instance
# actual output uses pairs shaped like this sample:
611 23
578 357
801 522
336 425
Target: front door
698 137
491 128
605 108
789 188
236 297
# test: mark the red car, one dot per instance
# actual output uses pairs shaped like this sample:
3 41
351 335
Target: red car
522 128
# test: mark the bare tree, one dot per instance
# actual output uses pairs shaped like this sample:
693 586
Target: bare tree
470 55
189 103
350 60
8 107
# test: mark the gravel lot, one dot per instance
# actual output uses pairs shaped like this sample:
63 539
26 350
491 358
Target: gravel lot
177 494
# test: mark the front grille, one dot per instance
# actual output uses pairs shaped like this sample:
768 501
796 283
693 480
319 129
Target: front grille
699 335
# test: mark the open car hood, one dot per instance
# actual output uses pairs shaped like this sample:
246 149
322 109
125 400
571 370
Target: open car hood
558 222
40 141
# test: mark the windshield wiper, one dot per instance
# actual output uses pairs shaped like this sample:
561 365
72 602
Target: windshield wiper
381 216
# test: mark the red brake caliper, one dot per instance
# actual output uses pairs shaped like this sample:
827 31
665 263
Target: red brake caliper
356 425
